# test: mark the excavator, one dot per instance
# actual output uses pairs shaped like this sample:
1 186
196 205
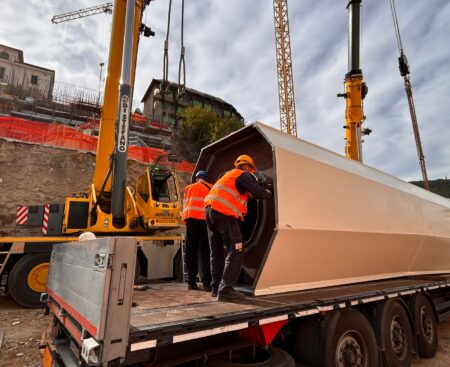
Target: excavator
108 206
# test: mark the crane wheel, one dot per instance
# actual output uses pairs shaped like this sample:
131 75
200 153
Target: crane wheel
28 279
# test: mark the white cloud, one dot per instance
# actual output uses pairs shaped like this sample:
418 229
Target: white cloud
230 53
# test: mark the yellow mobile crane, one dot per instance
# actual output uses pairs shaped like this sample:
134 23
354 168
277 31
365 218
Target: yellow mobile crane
108 206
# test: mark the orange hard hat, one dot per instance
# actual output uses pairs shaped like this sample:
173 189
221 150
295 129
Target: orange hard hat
244 159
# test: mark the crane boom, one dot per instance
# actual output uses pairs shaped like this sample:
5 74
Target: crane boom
286 95
104 8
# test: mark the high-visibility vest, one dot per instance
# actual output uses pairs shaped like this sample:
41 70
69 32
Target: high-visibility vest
225 198
194 196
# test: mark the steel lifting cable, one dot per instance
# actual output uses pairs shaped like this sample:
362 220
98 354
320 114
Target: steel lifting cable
181 87
405 73
164 86
182 63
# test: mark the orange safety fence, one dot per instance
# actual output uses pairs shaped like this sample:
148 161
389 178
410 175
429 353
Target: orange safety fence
68 137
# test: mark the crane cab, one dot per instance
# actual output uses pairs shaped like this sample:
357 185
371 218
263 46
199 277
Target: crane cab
158 199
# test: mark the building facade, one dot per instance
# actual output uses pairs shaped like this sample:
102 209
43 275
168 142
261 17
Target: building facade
15 74
153 103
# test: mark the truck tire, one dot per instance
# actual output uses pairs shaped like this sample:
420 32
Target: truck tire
272 357
394 335
347 340
28 279
426 325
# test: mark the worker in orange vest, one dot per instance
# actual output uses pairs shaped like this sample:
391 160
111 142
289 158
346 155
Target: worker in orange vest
226 205
196 234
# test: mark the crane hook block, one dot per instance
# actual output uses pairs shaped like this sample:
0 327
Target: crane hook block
403 65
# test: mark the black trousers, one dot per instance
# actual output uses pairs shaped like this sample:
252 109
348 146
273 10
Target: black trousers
197 247
224 232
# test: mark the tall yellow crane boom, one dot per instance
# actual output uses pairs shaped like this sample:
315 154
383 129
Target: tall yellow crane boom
286 95
109 205
355 87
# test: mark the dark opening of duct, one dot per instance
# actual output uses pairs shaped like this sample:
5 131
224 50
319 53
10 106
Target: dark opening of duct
259 225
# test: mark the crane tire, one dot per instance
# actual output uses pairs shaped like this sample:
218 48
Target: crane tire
426 326
394 334
28 278
272 357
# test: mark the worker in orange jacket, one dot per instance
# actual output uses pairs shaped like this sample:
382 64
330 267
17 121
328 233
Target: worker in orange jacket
226 205
196 235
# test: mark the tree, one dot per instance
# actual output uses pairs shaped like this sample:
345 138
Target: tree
200 127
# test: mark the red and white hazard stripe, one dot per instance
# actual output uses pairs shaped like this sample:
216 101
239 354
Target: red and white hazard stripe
22 215
45 221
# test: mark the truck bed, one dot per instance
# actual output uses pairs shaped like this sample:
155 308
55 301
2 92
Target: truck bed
168 313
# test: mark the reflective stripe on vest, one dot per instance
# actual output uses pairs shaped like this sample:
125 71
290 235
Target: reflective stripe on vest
194 196
225 198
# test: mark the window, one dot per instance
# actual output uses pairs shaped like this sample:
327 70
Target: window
2 72
34 79
4 55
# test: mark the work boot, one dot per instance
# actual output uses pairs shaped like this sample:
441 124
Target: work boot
206 288
230 296
192 287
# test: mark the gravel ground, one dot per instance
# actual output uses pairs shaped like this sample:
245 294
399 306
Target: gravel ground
23 329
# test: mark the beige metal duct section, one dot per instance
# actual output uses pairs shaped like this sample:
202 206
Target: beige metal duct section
311 235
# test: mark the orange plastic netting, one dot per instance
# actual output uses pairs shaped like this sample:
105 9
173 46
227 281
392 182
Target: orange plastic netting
68 137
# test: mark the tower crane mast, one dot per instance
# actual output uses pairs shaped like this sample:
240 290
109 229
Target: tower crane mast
104 8
286 95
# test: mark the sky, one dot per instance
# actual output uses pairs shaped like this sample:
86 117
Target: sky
230 53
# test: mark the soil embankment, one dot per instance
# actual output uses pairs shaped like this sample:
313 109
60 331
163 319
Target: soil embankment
33 174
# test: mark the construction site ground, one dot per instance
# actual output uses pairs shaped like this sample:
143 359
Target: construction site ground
36 174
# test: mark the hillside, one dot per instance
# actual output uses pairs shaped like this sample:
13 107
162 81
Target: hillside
440 187
35 174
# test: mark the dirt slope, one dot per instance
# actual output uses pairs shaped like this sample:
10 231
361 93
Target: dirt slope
35 174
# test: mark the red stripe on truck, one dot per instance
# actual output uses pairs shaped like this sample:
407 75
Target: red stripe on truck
83 321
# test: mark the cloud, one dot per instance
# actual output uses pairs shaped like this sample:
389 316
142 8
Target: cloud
230 53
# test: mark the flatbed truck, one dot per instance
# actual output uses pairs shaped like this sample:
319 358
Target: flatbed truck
100 320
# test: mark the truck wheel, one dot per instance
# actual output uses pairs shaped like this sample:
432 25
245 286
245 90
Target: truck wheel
28 279
394 335
348 341
272 357
426 326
